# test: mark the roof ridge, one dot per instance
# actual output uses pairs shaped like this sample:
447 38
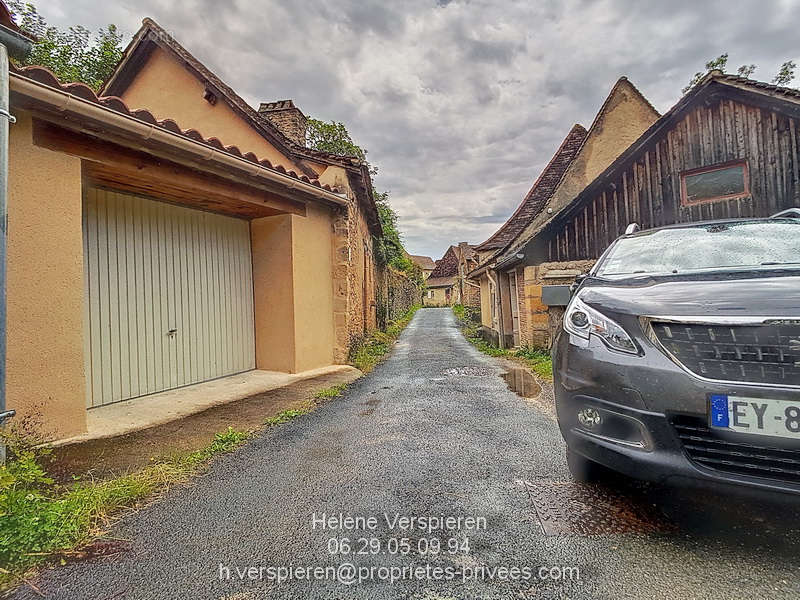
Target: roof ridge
576 130
162 35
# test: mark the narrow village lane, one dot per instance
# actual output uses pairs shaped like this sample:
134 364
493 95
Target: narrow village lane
432 432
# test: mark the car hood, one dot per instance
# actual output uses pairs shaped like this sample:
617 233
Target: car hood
724 295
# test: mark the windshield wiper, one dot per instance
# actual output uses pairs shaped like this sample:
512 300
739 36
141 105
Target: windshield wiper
772 264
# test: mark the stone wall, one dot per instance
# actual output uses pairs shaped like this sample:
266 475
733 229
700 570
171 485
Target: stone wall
541 321
355 279
397 293
472 294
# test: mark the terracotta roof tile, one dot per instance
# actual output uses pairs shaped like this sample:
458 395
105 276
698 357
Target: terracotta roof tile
536 199
424 262
433 282
83 91
447 266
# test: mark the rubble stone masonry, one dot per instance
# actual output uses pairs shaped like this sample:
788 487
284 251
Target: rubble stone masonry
539 322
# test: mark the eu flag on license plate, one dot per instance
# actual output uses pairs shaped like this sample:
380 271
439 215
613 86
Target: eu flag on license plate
719 410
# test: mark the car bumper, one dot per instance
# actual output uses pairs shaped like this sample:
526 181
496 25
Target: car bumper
586 378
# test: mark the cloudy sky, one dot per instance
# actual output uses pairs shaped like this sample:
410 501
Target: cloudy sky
459 103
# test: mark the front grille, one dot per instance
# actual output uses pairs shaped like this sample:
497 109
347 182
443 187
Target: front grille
727 452
768 354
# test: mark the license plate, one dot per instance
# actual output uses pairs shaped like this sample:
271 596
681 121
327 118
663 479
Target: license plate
757 416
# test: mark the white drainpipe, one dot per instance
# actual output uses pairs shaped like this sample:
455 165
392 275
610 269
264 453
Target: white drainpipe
18 46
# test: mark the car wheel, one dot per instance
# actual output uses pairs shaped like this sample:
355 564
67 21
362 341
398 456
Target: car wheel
584 470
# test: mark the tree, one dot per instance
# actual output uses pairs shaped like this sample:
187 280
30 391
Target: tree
332 136
784 77
785 73
745 71
73 55
718 63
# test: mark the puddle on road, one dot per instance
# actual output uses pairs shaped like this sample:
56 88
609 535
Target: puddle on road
566 507
522 383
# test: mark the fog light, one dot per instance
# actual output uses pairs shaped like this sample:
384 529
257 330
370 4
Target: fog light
589 418
614 427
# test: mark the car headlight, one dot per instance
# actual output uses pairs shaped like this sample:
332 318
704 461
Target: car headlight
583 321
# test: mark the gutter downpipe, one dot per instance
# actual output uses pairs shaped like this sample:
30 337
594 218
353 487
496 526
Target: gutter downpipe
17 45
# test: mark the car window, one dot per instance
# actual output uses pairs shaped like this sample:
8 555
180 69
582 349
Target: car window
721 246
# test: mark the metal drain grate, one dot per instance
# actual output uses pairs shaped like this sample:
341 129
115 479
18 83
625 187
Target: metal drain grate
469 372
566 507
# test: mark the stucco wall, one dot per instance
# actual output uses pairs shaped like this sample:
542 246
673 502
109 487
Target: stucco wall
273 293
45 363
313 289
293 291
169 91
439 297
486 302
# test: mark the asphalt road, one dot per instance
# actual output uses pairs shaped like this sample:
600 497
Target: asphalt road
434 431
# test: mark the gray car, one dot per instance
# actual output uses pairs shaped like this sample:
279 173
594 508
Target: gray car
679 357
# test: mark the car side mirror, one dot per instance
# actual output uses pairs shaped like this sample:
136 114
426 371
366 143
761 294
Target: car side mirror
578 280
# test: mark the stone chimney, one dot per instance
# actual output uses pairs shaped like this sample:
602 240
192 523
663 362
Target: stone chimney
287 117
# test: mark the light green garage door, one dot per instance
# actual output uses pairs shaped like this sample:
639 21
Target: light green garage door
168 296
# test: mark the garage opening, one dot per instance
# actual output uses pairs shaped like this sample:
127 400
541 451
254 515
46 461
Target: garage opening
168 296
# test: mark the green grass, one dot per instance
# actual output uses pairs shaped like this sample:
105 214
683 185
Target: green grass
536 359
331 392
287 415
40 519
374 348
460 311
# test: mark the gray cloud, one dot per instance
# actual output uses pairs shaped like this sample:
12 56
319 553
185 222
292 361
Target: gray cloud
460 103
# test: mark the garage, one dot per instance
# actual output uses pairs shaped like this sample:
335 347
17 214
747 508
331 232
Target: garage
168 296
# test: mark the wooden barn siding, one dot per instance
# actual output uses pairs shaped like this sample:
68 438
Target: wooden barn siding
648 192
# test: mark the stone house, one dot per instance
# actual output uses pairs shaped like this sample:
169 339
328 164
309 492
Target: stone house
164 233
425 263
728 148
448 283
510 285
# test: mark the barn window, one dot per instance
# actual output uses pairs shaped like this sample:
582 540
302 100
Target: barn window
719 182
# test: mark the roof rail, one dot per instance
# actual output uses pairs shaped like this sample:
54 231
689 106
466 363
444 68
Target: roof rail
789 213
632 228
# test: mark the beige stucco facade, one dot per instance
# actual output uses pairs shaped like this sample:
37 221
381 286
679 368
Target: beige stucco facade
169 91
44 364
292 272
486 302
293 291
438 296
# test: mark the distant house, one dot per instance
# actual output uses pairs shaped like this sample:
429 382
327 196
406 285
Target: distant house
425 263
508 288
448 283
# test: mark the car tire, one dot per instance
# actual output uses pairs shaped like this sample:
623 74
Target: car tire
584 470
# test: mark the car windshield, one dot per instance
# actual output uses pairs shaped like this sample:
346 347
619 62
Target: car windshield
719 246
